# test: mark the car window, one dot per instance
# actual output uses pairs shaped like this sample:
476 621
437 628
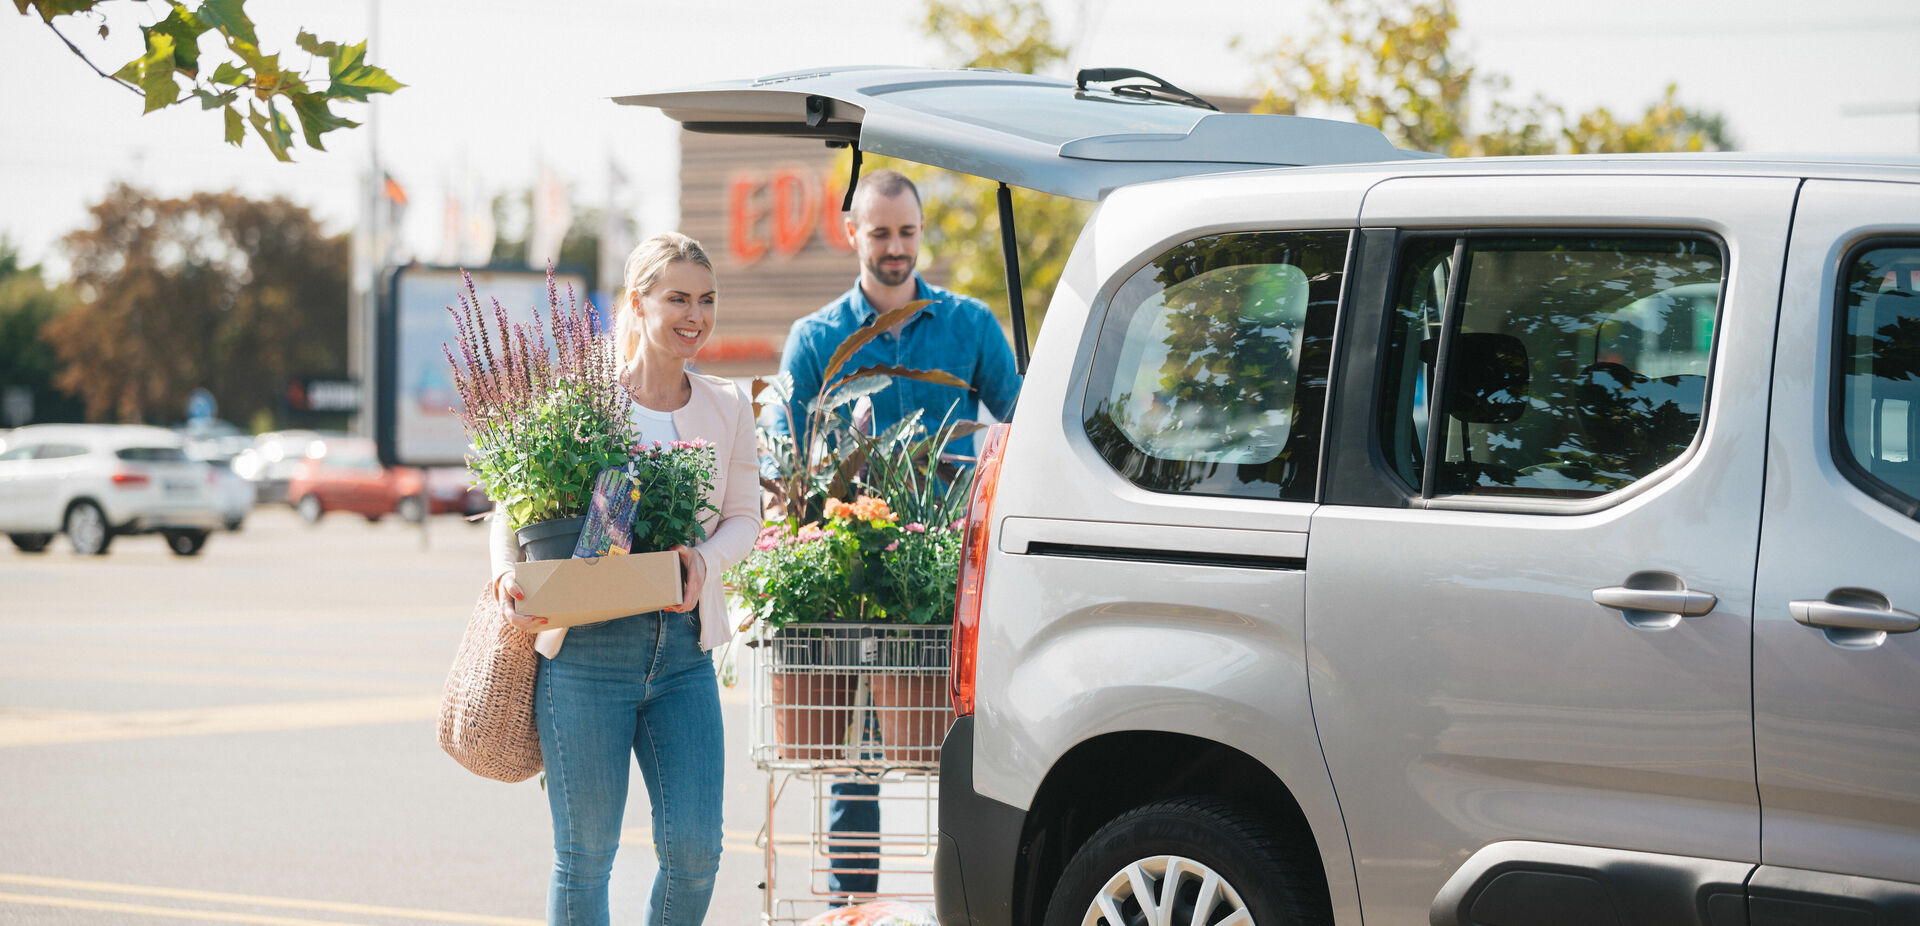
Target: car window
60 451
151 454
1209 376
1563 366
1879 374
22 452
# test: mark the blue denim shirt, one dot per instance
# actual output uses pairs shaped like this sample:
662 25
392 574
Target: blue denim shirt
956 334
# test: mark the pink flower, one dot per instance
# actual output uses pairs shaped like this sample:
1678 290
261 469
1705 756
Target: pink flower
957 524
916 528
893 546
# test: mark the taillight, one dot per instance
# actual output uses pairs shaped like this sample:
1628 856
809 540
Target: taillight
130 479
973 567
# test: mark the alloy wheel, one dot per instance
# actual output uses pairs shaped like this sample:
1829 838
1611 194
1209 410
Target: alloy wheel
1167 890
87 529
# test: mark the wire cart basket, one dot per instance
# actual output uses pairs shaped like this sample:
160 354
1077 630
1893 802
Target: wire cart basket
847 702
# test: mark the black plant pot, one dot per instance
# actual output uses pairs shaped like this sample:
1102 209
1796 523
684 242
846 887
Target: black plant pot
553 539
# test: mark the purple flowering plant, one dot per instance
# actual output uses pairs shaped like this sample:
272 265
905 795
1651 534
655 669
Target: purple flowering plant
545 417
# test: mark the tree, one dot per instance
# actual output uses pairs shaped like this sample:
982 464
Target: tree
1394 66
214 290
171 69
961 212
27 303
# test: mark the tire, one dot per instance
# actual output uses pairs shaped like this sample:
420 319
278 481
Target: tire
309 508
31 543
185 542
87 529
412 509
1263 878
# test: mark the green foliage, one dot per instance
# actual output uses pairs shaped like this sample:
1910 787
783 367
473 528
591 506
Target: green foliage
171 68
214 290
542 465
672 481
27 304
859 563
1394 66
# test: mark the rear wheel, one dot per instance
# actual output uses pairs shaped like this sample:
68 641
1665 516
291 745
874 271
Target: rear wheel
412 509
31 543
309 508
185 542
1189 862
87 529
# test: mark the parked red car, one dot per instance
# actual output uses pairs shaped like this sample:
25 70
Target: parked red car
345 474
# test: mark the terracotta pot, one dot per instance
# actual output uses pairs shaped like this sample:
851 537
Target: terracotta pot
914 711
811 713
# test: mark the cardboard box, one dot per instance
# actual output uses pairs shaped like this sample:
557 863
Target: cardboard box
580 591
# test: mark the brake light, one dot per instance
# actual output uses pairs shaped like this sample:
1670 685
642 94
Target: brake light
975 542
130 479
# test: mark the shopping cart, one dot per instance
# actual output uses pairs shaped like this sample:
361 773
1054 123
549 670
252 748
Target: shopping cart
837 702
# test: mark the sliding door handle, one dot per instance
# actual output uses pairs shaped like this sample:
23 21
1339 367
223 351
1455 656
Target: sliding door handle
1684 602
1854 609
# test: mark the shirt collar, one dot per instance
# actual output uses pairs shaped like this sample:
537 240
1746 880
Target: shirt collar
866 313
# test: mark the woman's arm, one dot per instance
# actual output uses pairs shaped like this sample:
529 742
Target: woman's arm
503 550
739 525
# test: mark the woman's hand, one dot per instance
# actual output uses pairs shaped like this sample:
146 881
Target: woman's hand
509 591
694 570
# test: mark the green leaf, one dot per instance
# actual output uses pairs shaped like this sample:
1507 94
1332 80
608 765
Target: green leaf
311 44
156 73
130 72
228 17
185 30
847 390
227 74
315 118
210 100
236 127
354 79
272 129
48 9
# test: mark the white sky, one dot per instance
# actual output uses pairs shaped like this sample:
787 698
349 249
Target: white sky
496 86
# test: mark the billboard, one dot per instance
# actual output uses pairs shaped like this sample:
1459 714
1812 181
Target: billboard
415 402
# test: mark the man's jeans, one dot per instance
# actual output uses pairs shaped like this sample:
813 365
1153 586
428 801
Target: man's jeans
859 815
638 685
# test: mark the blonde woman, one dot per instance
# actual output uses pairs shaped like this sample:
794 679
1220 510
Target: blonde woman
644 685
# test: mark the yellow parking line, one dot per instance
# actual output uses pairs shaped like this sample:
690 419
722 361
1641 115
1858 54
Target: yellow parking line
251 900
21 727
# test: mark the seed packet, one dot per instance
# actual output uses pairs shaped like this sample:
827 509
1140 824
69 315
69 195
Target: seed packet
609 527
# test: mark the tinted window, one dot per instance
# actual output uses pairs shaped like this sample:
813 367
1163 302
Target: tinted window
60 451
151 454
1564 367
1210 373
1879 369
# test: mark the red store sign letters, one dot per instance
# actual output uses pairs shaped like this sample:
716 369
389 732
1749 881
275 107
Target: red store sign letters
779 212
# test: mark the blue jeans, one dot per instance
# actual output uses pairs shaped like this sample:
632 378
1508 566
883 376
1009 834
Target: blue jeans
638 685
860 815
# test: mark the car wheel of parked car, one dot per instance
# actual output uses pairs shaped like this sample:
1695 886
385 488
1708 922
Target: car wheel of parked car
412 509
87 529
309 508
1189 862
185 543
31 543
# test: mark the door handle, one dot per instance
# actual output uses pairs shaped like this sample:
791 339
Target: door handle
1854 609
1684 602
1653 600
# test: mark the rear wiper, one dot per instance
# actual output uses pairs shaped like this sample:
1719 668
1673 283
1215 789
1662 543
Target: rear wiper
1161 90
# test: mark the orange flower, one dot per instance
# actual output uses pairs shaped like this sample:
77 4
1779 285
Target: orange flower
868 508
837 509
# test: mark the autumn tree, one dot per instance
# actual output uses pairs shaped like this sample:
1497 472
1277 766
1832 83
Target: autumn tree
27 304
213 53
1395 66
215 290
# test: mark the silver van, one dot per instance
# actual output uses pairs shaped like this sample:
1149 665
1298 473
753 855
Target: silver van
1396 540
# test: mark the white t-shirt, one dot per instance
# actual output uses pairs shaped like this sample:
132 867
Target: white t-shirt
654 426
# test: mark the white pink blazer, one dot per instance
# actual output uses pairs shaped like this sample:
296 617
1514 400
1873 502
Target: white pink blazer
721 414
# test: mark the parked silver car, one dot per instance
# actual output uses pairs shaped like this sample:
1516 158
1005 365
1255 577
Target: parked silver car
96 482
1457 542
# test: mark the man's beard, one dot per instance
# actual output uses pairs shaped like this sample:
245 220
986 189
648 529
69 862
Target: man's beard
902 272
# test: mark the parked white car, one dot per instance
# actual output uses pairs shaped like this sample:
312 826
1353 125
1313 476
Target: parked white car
96 482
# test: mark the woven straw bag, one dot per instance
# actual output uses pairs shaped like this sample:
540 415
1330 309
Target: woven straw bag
486 710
